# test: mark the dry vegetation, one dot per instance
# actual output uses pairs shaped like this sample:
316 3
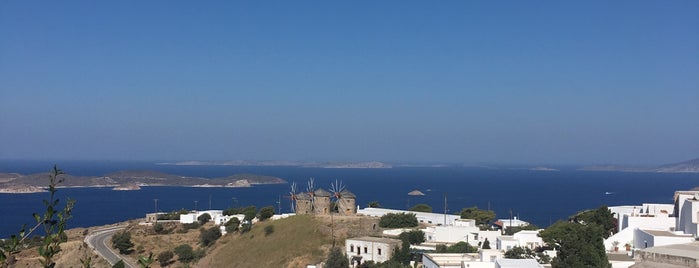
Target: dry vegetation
296 242
71 252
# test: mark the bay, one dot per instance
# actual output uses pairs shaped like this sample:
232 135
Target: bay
540 197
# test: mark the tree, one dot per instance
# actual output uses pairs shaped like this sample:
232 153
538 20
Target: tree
53 221
486 244
601 216
185 253
414 237
204 218
119 264
122 242
232 225
398 220
232 211
165 257
250 213
519 253
460 247
578 245
421 208
402 254
209 236
266 213
482 217
510 230
336 259
374 204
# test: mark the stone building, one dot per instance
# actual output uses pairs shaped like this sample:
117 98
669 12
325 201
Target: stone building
304 204
346 204
321 202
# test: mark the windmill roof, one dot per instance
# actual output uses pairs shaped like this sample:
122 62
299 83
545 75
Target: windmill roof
347 193
303 196
321 192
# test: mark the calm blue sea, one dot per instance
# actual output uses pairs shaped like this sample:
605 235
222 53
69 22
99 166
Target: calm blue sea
541 197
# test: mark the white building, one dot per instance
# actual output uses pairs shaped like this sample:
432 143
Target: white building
653 238
514 222
686 210
528 238
517 263
422 217
454 260
506 242
646 216
192 216
363 249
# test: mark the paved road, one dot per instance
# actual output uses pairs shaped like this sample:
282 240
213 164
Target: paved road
97 241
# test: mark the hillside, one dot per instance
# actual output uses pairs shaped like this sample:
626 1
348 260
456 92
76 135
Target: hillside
18 183
690 166
295 242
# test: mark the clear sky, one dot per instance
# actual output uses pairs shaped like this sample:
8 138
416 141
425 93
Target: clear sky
555 82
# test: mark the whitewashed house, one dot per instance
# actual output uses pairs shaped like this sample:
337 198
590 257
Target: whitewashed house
454 260
362 249
653 238
517 263
646 216
422 217
506 242
687 211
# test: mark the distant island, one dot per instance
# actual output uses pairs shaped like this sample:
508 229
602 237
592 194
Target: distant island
691 166
128 180
371 164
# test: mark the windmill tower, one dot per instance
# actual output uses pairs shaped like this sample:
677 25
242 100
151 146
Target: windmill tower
345 200
321 202
304 200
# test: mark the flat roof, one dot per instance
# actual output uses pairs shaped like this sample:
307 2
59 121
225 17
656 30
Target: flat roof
664 233
376 239
689 250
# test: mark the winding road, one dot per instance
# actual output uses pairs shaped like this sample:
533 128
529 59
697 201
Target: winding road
97 241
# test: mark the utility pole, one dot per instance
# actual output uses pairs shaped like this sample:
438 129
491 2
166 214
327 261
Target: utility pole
195 204
445 209
156 205
209 202
279 203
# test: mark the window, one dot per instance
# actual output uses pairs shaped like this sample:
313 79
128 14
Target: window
351 248
366 250
379 251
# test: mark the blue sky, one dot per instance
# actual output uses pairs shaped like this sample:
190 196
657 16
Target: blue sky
450 81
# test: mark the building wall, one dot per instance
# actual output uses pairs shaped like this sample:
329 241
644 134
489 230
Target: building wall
654 223
505 244
346 206
528 239
303 206
644 239
687 220
422 217
370 250
453 260
321 205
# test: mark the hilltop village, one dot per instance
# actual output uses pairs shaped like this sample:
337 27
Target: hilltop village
328 229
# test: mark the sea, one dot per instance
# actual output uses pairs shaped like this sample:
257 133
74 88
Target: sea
537 196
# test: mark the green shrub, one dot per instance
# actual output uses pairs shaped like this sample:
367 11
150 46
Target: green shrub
269 229
398 220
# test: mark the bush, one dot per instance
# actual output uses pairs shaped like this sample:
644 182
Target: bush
250 213
185 253
122 242
266 213
165 257
413 237
158 228
421 208
269 229
336 259
190 226
461 247
204 218
119 264
232 225
209 236
398 220
232 211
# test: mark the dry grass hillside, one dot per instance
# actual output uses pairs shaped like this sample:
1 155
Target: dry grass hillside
71 252
295 242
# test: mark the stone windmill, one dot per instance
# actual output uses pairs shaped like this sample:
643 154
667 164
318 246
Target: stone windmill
345 200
